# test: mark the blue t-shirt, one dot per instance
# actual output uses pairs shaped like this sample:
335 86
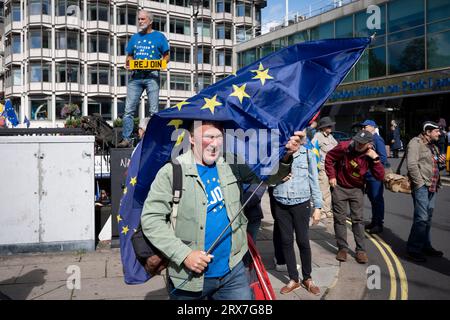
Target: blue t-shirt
148 46
216 221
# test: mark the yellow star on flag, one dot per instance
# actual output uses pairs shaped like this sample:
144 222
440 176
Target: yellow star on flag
125 190
239 92
211 104
176 123
262 74
125 230
180 139
133 181
180 105
119 218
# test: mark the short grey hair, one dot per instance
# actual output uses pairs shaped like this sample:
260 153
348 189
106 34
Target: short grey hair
147 13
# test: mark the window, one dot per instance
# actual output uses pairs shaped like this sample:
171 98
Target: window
16 12
126 16
181 3
223 31
324 31
180 82
16 43
163 81
39 39
243 9
71 8
242 34
180 26
121 46
159 23
298 37
67 73
404 14
39 72
39 110
247 57
38 7
98 75
204 28
223 6
179 54
406 56
98 11
16 77
344 27
98 43
437 10
223 57
204 55
67 40
122 77
204 80
438 51
102 107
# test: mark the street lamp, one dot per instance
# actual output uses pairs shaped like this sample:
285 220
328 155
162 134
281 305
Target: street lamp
69 79
195 7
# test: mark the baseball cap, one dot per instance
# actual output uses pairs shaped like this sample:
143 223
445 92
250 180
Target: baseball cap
369 123
363 136
429 125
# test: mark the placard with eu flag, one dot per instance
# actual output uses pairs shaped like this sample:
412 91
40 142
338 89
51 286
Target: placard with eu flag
260 106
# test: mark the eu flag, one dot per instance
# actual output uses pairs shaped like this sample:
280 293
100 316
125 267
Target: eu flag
279 93
10 113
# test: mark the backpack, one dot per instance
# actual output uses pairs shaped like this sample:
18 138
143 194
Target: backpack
146 253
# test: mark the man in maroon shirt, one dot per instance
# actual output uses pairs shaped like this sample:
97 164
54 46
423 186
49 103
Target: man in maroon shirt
345 165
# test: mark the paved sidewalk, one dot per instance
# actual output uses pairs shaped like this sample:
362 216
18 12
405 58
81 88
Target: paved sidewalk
43 276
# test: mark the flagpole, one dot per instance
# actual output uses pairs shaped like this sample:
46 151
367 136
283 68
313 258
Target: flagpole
191 274
234 218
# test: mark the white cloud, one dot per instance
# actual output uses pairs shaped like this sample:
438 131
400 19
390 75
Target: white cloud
266 26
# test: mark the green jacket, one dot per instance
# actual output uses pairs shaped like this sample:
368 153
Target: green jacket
189 232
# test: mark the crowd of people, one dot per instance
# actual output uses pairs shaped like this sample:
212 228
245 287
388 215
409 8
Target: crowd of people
317 179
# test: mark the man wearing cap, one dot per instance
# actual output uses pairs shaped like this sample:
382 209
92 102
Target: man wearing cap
325 140
375 187
346 166
423 162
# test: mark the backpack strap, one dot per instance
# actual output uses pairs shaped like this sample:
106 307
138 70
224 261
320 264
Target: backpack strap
177 190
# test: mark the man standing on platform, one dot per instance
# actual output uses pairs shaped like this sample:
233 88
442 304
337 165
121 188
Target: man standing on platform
147 44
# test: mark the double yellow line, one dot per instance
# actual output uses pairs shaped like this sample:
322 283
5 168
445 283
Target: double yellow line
384 249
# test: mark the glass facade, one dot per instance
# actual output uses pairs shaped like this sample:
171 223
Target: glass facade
413 35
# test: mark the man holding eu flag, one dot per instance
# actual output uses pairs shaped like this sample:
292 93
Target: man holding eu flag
147 44
210 200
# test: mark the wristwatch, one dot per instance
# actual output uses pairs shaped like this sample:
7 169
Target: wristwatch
376 159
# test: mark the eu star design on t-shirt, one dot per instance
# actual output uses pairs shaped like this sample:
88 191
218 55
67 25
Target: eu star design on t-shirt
216 221
148 46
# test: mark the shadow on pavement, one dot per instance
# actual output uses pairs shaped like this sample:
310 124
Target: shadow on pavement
398 245
160 294
28 281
